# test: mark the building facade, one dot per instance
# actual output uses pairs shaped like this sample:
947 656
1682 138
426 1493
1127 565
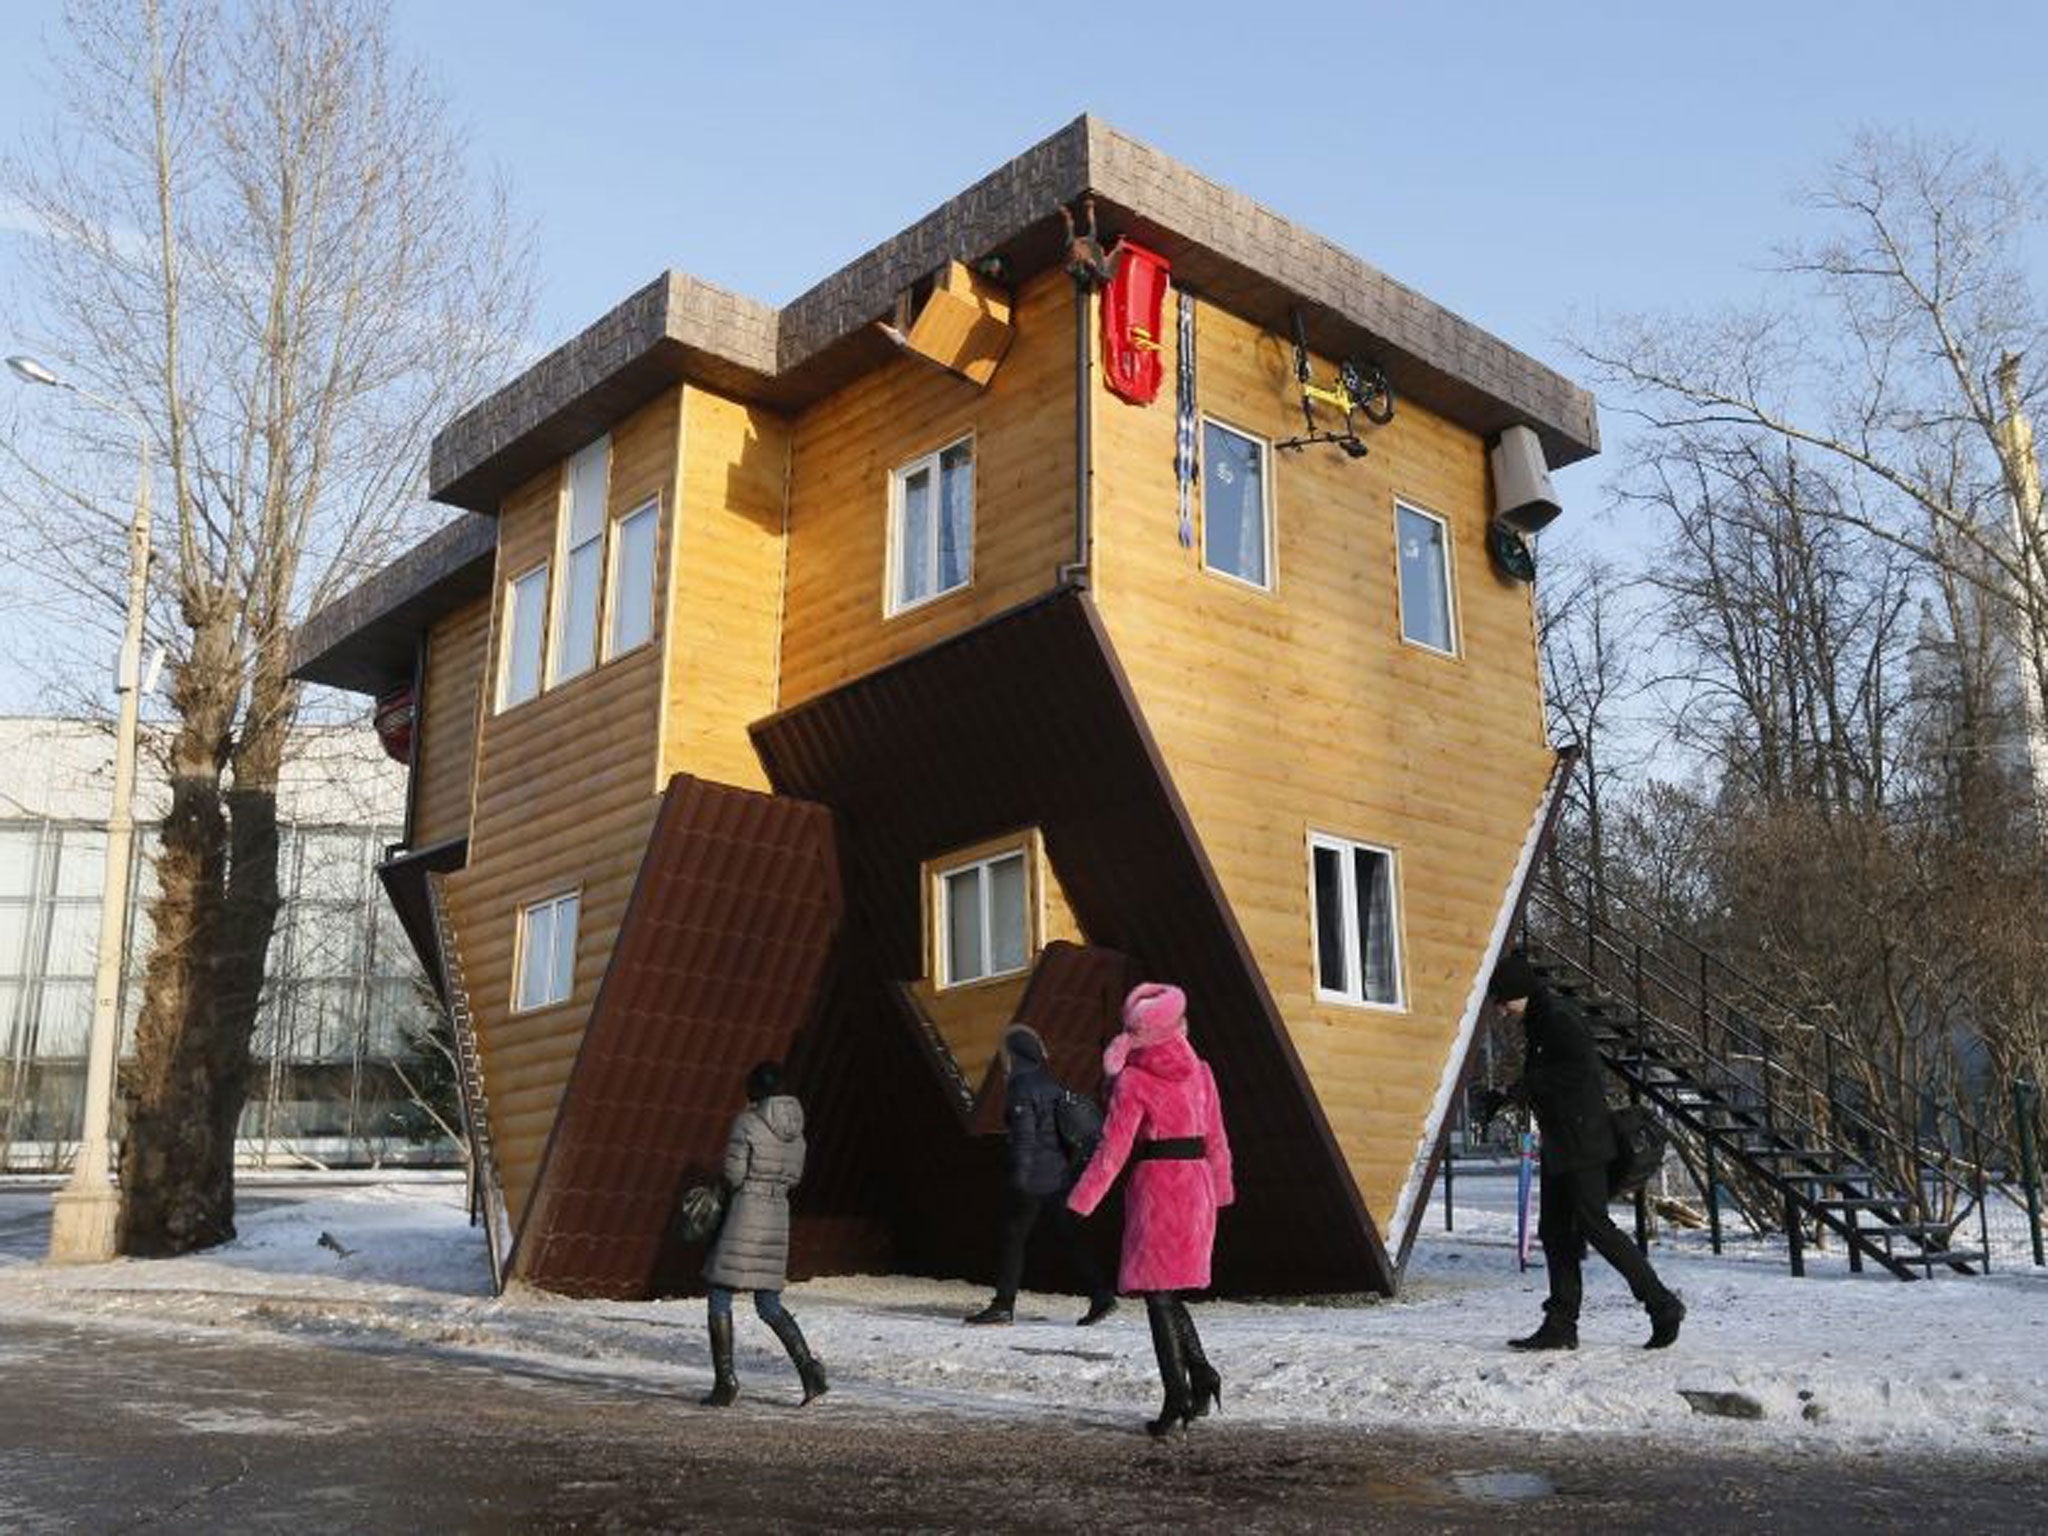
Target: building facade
344 1000
1052 597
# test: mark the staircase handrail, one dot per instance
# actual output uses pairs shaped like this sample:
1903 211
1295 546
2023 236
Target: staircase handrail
1932 1160
1793 1014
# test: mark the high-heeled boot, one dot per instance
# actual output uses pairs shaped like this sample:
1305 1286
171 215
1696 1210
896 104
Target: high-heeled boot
1205 1386
808 1370
725 1386
1173 1365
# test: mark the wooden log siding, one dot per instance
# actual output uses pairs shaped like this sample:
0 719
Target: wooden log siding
445 769
566 794
844 450
725 588
1303 710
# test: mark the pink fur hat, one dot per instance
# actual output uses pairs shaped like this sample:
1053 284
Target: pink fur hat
1154 1012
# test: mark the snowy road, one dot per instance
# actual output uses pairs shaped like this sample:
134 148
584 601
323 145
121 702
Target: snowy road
1859 1381
107 1429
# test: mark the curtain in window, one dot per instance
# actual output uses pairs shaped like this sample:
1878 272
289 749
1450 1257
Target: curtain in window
1329 881
956 515
915 543
1376 925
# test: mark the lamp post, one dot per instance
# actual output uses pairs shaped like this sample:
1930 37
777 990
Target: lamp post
86 1209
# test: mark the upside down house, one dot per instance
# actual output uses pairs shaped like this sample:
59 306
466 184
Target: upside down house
1103 578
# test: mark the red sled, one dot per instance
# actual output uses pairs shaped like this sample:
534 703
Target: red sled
1132 361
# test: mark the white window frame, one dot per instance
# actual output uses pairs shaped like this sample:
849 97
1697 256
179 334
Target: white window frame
1267 502
560 988
1347 848
505 701
942 876
1402 504
615 534
564 530
893 601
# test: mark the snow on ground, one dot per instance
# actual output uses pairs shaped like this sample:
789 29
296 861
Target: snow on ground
1839 1363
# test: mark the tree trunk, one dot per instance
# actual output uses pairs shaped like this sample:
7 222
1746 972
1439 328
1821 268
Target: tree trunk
190 1076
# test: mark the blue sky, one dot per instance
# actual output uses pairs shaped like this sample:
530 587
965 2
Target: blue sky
1530 166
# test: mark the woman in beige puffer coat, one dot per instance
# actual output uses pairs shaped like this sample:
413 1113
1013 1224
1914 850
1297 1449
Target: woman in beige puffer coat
764 1159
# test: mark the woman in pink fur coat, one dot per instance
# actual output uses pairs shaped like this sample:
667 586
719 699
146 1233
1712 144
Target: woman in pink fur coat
1164 1118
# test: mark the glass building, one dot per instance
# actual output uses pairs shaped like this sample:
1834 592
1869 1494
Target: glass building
346 1020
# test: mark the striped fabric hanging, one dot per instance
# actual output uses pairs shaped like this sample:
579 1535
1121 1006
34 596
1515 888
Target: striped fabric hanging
1184 421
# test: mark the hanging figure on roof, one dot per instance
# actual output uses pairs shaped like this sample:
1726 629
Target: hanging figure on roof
1164 1117
1561 1082
1039 1178
764 1160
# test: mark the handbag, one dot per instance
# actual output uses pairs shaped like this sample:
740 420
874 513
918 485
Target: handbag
1639 1142
700 1211
1077 1119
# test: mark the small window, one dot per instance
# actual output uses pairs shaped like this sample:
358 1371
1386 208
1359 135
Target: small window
582 555
631 605
931 526
1425 554
1358 938
1236 521
526 607
547 953
983 919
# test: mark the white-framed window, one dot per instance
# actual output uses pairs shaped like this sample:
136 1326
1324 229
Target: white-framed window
1354 899
630 606
983 911
547 953
1422 542
580 549
526 629
1237 505
931 525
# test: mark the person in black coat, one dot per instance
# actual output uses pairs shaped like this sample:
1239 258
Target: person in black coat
1039 1177
1561 1082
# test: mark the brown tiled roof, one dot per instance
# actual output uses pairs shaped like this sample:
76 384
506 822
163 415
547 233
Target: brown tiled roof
1073 1001
1222 244
717 966
1028 720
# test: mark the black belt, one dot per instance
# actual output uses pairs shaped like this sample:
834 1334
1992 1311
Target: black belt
1178 1147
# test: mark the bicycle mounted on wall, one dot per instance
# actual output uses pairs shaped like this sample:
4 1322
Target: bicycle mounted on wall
1359 389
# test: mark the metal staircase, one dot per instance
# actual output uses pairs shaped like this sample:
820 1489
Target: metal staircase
1755 1090
486 1195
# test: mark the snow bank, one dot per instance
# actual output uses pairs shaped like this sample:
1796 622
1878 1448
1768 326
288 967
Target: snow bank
1839 1363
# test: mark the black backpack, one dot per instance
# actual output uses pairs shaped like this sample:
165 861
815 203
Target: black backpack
1639 1142
1078 1119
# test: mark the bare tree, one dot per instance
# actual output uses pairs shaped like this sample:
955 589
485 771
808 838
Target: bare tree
1586 632
1908 349
260 236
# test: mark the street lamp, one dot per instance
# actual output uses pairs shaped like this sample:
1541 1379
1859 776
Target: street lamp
86 1209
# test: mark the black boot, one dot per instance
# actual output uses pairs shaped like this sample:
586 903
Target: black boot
1173 1366
1205 1387
1556 1333
808 1371
1099 1307
725 1386
1666 1313
995 1314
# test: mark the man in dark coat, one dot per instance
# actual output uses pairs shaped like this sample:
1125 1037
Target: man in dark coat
1039 1176
1561 1082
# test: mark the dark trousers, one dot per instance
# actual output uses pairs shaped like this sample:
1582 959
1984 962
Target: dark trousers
1574 1216
1020 1215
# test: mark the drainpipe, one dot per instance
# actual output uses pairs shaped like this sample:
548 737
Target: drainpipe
1075 572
